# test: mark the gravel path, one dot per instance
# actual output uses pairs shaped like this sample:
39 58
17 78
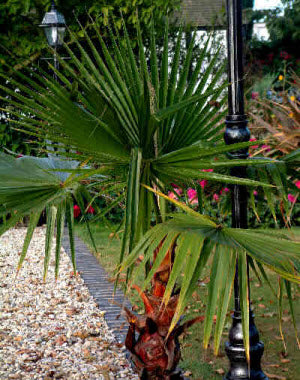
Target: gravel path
52 330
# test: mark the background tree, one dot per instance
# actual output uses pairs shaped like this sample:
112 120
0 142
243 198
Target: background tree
21 39
281 50
22 42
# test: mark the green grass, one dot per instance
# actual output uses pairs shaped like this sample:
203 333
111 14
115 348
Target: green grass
204 365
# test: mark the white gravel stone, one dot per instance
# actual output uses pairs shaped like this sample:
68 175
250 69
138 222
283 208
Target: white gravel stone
51 330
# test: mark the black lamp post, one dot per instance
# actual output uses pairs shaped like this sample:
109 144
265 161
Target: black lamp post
54 25
237 131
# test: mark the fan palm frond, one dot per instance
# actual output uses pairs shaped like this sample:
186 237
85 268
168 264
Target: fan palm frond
197 238
32 184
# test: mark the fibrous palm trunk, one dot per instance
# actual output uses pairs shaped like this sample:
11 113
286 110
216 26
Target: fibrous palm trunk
154 351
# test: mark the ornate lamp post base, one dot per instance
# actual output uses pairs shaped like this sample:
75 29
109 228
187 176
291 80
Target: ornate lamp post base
236 352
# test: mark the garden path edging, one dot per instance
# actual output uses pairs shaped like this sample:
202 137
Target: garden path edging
97 281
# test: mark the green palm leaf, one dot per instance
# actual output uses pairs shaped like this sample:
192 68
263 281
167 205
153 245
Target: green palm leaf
225 244
51 218
31 184
34 218
61 211
244 299
220 263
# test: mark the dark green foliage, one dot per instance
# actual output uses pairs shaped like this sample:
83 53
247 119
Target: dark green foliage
22 41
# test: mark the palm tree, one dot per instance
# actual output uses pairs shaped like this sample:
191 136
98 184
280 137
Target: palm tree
143 122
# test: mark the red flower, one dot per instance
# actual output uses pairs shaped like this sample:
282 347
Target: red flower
192 195
224 190
254 94
203 183
291 198
172 195
216 197
285 55
90 210
178 191
76 210
253 146
297 184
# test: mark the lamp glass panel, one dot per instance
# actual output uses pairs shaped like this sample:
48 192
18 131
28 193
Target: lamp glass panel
61 34
51 35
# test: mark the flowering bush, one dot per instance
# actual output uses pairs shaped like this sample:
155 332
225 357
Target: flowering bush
205 197
213 200
91 210
275 118
76 211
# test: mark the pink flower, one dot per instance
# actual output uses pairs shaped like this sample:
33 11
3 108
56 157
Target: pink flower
224 190
19 155
291 198
76 211
255 193
192 195
254 94
297 183
178 191
90 210
216 197
203 183
207 170
172 195
267 148
253 146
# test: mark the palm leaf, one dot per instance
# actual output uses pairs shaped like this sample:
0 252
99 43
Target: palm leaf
220 263
224 298
280 308
191 231
59 234
33 221
244 300
192 258
51 218
289 295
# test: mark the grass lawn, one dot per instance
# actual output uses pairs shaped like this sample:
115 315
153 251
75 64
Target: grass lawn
204 365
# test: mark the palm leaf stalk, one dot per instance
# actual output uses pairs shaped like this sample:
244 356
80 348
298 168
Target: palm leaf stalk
136 123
